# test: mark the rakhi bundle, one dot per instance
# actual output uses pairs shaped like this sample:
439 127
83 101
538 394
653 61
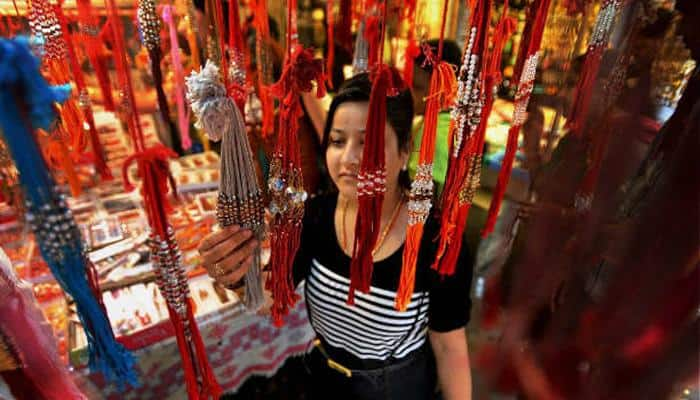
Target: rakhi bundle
66 140
441 94
596 46
285 185
153 169
240 198
526 69
84 99
472 114
26 104
89 35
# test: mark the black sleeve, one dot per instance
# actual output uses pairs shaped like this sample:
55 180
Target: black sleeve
302 260
450 301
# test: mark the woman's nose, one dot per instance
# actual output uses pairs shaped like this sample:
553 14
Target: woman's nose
352 155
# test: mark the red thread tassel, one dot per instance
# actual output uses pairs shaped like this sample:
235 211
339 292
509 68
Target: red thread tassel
443 85
465 167
300 69
86 108
528 62
584 90
370 204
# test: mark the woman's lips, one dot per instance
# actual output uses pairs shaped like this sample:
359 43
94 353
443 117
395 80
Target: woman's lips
348 175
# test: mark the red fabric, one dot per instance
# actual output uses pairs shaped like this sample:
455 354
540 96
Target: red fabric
330 42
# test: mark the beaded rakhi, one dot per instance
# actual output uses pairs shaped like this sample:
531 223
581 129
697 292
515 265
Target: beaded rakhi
441 95
470 119
153 169
526 68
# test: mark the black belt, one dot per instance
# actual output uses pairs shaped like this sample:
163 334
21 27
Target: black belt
349 372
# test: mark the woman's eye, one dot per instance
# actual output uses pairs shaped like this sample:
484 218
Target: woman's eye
337 142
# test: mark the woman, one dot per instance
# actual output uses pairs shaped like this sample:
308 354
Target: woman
369 350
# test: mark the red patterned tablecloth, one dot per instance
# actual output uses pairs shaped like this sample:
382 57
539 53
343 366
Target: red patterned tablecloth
239 346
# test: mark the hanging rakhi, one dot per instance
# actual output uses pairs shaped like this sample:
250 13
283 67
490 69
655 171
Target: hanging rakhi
44 24
149 29
596 46
90 31
285 184
26 104
441 94
599 142
481 75
153 169
371 177
84 100
183 116
240 199
526 68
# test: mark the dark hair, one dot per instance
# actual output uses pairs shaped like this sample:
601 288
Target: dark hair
451 53
399 113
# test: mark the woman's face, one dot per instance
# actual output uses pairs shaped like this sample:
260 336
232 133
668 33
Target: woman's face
345 143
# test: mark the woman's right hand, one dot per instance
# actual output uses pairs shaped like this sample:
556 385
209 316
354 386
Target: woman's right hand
228 253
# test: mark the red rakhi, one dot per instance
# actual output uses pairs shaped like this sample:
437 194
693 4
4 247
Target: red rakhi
526 68
84 99
469 119
90 31
594 56
285 184
441 95
371 177
153 169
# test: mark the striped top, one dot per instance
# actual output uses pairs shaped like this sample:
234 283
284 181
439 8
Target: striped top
372 330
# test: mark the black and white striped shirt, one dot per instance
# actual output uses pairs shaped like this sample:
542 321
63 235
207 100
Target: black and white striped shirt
372 329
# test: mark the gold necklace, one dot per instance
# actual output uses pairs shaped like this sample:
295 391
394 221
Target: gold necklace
384 233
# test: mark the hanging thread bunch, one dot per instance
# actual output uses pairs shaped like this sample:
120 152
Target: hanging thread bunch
371 177
285 184
441 95
240 198
90 37
526 69
471 114
27 103
596 46
154 171
84 101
